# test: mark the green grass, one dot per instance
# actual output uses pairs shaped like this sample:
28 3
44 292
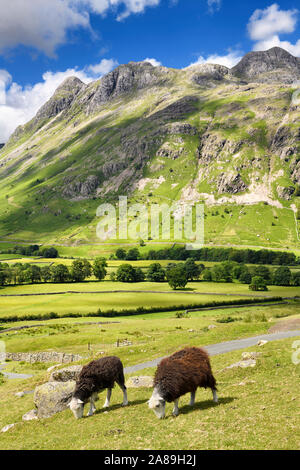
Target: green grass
146 294
261 414
152 335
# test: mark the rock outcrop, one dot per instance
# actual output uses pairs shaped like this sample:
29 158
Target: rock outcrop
278 63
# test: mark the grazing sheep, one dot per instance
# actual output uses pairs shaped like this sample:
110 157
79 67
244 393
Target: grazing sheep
95 377
181 373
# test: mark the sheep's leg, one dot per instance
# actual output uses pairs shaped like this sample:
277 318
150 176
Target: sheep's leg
175 409
215 396
193 396
92 406
107 401
125 399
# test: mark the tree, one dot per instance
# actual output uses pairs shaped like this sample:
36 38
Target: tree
34 273
282 276
245 277
219 274
193 271
262 271
3 277
99 268
177 277
120 253
295 279
258 284
49 253
60 273
126 273
206 275
156 273
46 273
139 275
133 254
80 270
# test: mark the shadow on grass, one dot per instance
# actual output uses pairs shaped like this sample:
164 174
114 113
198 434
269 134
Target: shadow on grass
101 410
205 405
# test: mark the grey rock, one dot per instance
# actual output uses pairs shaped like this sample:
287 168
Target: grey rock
30 415
140 382
7 427
66 374
242 364
53 397
122 80
77 188
44 356
285 193
208 72
231 183
278 63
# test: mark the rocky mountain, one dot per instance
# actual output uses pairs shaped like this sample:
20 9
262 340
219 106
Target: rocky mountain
228 138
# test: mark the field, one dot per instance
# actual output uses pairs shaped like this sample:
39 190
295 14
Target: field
258 409
246 395
106 295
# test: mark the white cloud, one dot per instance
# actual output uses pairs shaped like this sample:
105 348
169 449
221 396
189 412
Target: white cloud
275 41
152 61
44 25
265 26
19 104
214 5
266 23
229 60
105 66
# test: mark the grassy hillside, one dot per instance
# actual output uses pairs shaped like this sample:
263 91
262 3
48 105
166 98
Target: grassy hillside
176 137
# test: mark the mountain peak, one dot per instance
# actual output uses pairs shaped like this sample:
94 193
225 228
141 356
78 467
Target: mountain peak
257 63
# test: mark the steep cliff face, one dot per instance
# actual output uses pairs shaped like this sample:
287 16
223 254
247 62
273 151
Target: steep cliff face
205 133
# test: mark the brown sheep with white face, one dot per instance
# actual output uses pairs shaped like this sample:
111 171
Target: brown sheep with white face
181 373
97 376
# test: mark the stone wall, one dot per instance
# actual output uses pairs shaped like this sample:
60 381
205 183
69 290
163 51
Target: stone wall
61 358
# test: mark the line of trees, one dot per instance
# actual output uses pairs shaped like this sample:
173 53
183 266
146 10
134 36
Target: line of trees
246 256
176 274
32 250
179 274
25 273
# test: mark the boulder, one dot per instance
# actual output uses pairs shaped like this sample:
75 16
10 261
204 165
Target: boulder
140 382
250 355
53 397
66 374
30 415
243 364
262 342
9 426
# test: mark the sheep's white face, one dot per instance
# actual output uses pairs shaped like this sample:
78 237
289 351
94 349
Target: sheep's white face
76 407
157 404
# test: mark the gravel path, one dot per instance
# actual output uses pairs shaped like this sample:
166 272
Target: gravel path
221 348
213 350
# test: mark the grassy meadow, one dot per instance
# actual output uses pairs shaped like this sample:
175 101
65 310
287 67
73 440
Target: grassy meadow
258 409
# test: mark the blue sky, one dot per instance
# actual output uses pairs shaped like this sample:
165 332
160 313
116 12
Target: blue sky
42 42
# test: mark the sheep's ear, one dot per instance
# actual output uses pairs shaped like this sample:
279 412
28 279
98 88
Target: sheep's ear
80 401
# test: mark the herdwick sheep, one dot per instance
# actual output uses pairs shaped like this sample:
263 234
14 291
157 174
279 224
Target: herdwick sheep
181 373
95 377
